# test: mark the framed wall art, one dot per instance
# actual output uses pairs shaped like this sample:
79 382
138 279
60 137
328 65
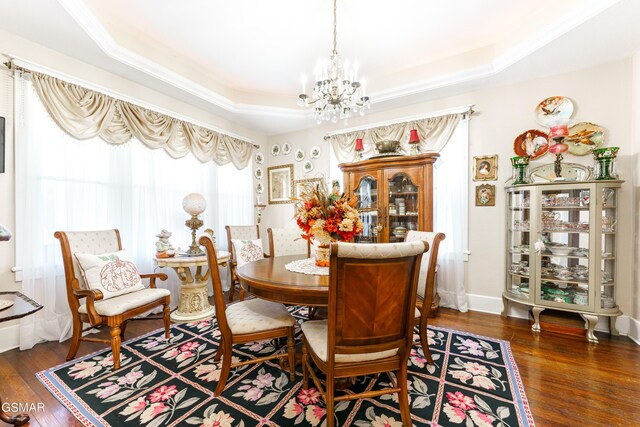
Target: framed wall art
486 195
485 168
305 185
280 184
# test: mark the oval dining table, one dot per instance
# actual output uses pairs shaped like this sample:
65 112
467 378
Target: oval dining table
269 279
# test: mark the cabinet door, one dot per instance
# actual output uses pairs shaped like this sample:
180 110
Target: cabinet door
520 265
405 202
366 187
605 277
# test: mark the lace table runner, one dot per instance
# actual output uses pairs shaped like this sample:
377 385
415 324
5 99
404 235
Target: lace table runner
307 266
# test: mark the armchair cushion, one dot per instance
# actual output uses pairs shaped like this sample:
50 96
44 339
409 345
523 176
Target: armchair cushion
257 315
120 304
316 332
247 251
112 274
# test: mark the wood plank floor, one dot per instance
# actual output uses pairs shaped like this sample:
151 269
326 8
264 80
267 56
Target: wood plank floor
568 381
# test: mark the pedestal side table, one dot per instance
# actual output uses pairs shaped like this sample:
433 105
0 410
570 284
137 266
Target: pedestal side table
194 296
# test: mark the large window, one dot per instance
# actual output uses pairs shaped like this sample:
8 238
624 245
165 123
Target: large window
66 184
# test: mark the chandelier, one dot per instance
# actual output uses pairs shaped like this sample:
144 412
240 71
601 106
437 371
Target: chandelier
336 93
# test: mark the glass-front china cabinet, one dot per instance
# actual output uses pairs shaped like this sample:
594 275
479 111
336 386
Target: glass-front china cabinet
561 242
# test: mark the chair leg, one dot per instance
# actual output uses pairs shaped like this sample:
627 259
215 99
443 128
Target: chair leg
75 339
241 293
123 327
424 341
232 290
166 310
403 396
218 354
226 367
305 368
292 354
329 399
115 346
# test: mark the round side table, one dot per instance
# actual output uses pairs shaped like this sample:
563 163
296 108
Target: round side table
194 296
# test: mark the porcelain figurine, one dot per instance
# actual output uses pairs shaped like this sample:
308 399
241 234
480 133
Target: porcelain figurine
164 249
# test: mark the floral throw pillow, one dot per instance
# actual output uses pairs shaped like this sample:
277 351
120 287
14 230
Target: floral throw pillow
246 251
112 273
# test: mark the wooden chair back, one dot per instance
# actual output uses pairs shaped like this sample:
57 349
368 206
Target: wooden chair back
427 278
372 291
287 241
218 296
244 232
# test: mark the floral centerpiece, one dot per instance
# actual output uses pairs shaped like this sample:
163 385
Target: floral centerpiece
327 217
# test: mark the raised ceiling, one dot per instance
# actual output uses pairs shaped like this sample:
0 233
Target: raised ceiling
244 59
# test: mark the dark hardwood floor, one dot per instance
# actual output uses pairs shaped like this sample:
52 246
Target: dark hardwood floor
568 381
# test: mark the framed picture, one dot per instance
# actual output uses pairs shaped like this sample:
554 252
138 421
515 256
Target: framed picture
486 195
485 168
305 185
280 184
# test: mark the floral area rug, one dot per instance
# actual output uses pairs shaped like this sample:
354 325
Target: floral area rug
475 382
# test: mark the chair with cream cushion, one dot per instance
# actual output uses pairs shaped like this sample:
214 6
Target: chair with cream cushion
287 241
372 292
247 321
240 232
426 283
93 306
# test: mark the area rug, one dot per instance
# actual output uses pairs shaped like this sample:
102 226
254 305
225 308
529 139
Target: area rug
475 382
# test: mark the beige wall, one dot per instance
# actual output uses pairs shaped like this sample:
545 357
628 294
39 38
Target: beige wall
635 138
601 95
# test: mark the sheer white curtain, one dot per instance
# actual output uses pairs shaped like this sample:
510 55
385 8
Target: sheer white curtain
66 184
450 216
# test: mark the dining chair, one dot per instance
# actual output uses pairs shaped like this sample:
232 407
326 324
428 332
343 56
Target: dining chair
247 321
94 306
241 232
369 329
287 241
426 283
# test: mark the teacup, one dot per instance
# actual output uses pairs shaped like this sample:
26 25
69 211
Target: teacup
608 223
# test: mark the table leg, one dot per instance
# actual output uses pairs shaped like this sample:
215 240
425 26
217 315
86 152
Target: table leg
16 420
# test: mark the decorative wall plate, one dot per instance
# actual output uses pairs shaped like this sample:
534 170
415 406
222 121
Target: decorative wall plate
258 173
286 148
259 188
315 152
570 172
307 166
584 137
259 158
299 155
275 150
553 108
533 143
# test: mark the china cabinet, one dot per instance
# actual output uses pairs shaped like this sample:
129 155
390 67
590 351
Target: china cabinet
561 249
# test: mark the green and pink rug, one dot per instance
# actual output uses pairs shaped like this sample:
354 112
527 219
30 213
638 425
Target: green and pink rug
475 382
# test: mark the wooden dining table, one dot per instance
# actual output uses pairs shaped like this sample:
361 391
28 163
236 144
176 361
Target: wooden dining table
269 279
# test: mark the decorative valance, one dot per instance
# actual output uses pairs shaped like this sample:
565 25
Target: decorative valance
84 113
434 133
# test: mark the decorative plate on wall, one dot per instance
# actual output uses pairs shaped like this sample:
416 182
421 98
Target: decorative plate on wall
552 109
315 152
275 150
584 138
259 158
532 143
259 188
286 148
299 155
258 173
307 166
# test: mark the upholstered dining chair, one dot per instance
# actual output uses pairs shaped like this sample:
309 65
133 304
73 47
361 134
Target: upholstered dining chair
240 232
287 241
369 330
426 283
247 321
91 305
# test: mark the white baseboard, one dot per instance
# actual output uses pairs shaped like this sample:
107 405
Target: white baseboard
626 325
9 338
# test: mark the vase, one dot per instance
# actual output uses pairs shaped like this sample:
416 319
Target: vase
322 255
605 163
520 165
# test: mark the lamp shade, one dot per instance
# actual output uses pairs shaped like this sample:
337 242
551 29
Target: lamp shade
413 136
558 148
194 204
359 146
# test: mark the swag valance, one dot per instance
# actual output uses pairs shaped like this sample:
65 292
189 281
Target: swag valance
434 133
84 113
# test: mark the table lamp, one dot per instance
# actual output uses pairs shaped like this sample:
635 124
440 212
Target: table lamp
359 149
194 204
414 141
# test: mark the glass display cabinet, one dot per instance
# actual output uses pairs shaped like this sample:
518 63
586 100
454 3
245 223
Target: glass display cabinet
561 249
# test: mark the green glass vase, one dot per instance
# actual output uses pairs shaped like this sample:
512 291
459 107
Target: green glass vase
605 159
520 165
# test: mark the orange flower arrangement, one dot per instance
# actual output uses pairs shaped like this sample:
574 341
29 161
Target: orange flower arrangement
327 217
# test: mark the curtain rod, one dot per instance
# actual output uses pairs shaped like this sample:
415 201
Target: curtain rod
461 109
27 67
